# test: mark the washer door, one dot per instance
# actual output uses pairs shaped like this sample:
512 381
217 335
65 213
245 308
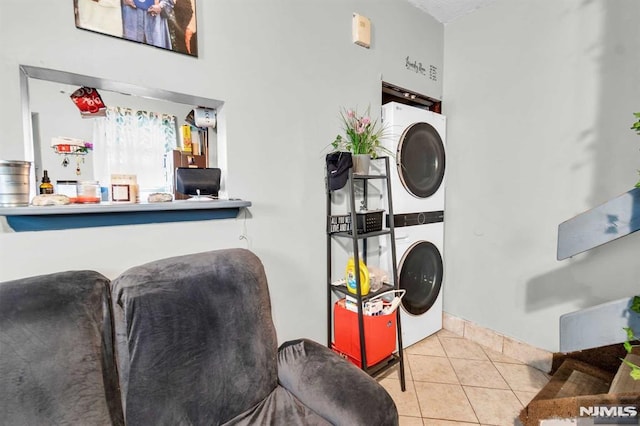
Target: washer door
420 274
421 160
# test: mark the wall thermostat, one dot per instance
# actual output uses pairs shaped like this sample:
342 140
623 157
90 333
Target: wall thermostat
361 29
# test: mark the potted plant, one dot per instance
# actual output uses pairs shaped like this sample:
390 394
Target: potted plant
363 138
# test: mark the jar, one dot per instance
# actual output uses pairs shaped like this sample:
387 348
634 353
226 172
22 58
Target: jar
124 188
88 192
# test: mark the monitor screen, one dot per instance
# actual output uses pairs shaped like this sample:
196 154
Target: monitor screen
192 181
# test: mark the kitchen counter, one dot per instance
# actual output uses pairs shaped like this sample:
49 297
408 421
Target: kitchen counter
72 216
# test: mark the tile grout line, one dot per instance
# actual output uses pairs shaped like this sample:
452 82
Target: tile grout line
411 382
503 377
415 393
499 372
458 379
485 350
418 357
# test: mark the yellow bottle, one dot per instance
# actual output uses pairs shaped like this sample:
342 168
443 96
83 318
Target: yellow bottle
351 277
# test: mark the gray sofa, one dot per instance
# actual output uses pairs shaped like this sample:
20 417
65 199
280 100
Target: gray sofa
182 341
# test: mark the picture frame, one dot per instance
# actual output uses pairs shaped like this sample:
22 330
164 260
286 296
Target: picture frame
166 24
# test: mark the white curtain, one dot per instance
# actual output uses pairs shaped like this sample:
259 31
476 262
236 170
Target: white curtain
139 143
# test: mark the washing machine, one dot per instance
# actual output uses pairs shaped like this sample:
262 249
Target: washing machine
417 139
419 255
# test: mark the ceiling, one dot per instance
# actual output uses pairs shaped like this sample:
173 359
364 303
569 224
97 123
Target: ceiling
446 11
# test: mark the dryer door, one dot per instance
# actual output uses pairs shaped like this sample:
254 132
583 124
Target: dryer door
420 274
421 160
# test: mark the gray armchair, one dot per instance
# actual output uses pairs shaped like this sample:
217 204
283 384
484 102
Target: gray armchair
196 345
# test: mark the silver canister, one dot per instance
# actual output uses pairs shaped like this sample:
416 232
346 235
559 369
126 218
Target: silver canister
14 183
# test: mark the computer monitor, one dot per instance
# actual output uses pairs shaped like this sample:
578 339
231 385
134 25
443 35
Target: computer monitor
198 183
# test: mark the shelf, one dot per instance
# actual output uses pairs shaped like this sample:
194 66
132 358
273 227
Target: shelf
380 366
374 176
365 235
359 240
343 289
71 152
365 177
383 365
74 216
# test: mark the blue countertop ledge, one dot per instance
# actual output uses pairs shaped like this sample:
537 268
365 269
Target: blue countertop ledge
74 216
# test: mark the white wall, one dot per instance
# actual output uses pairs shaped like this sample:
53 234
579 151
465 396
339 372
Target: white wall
283 68
540 96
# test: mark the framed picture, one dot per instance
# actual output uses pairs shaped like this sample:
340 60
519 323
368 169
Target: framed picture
167 24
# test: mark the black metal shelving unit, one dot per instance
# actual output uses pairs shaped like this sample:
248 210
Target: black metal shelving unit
359 240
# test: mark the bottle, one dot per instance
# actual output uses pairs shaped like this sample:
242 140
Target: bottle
46 187
351 277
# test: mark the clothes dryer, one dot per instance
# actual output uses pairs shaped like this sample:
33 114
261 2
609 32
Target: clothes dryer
416 137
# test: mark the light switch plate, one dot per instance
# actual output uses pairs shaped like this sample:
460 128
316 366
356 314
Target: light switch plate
361 29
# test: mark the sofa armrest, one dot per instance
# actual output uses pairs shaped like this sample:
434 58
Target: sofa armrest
332 387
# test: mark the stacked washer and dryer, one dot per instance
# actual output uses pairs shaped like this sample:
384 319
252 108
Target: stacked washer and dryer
417 138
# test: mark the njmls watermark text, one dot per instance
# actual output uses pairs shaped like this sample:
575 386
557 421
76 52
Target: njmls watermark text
611 414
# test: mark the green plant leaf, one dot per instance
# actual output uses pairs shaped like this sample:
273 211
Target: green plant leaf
635 303
635 370
628 347
629 332
636 126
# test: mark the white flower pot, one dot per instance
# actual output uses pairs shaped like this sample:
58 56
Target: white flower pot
361 163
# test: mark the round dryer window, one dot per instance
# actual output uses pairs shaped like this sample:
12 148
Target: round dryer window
421 159
420 275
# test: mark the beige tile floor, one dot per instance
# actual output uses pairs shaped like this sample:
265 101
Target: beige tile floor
454 381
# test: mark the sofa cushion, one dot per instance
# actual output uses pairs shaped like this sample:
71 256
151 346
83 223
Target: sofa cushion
623 382
195 339
56 363
279 408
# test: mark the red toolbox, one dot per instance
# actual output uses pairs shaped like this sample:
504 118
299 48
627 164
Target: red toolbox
379 335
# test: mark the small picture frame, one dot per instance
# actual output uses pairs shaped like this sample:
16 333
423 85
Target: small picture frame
120 193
